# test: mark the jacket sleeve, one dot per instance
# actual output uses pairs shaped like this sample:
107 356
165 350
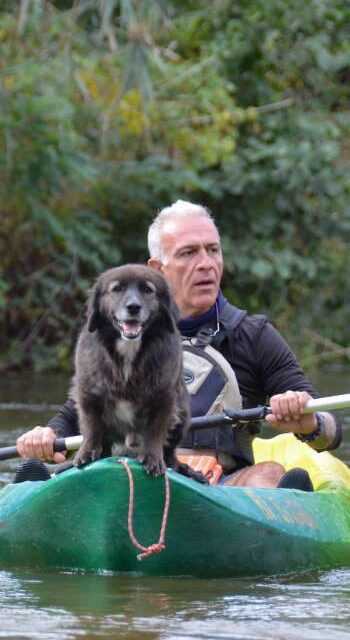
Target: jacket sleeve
281 371
279 368
65 422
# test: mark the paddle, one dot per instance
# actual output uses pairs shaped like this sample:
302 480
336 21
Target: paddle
230 417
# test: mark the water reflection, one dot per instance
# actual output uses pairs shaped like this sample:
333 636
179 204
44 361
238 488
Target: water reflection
22 616
69 605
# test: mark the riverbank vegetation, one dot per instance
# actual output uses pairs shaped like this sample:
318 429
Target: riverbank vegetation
112 109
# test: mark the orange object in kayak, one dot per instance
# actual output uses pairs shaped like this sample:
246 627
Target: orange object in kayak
203 461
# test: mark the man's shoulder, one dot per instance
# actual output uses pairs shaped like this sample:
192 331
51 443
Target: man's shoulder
233 317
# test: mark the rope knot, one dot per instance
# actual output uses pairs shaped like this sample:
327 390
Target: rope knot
149 551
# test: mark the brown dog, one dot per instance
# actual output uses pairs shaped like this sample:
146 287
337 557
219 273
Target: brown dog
128 383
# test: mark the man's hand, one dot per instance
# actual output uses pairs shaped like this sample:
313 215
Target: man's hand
38 443
287 413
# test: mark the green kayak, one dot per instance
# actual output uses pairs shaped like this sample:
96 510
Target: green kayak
78 520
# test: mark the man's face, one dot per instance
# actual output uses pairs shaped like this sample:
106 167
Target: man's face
192 264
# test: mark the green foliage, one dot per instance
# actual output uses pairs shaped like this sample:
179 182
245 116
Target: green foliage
111 109
288 185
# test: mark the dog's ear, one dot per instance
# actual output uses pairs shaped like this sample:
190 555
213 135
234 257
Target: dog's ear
93 309
169 311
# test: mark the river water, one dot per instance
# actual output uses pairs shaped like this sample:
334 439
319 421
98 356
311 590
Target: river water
65 606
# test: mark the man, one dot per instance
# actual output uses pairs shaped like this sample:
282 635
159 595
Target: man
184 244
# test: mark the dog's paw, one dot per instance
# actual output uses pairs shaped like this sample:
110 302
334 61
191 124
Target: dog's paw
154 465
86 455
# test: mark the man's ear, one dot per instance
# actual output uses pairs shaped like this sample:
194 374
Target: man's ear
154 263
93 312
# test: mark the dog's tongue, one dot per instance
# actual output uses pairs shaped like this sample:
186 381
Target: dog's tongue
130 330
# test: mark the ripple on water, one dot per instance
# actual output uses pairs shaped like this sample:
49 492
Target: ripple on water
21 615
61 606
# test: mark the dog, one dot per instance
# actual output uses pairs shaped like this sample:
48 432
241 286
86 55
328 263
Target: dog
128 383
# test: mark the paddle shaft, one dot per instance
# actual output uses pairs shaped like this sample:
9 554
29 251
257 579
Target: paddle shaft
230 417
330 403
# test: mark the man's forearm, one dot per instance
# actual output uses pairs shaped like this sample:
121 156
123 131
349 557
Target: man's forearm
65 422
327 434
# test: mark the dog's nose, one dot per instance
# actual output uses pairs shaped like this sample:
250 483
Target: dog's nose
133 308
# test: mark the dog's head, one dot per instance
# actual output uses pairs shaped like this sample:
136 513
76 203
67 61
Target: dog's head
131 299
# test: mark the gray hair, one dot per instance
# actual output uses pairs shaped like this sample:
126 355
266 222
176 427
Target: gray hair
180 209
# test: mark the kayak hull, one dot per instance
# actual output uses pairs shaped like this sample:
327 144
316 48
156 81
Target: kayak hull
78 520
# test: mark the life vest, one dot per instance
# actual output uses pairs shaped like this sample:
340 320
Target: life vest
213 387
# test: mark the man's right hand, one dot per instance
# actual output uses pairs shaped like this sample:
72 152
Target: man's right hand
38 443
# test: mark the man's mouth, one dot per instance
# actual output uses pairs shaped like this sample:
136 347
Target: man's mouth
205 283
130 329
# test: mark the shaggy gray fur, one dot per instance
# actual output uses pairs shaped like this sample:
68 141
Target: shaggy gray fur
128 382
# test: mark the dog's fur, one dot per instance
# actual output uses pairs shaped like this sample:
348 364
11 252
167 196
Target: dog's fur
128 383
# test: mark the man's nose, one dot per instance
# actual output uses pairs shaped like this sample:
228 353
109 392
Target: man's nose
205 260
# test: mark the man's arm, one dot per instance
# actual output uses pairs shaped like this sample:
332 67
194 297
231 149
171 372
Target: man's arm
65 422
289 391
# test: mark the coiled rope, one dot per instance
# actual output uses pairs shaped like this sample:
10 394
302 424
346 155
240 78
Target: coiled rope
159 546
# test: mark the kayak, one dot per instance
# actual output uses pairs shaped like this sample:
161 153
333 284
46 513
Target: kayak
78 520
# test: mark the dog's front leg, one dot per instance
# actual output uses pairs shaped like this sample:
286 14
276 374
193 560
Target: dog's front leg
152 453
153 460
91 429
88 452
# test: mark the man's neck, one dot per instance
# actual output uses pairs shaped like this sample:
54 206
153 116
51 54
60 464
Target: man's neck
192 324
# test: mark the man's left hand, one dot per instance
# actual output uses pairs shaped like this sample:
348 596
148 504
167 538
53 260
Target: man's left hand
287 413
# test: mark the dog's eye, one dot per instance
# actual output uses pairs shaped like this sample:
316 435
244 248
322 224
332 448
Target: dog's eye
147 288
116 287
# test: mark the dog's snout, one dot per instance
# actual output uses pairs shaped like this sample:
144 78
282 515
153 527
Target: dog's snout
133 302
133 308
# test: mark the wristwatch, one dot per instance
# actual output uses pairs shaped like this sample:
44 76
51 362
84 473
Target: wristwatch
316 433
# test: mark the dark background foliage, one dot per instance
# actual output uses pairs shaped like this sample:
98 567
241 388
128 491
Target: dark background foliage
111 109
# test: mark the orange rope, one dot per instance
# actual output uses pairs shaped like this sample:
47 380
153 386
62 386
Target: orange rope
160 545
